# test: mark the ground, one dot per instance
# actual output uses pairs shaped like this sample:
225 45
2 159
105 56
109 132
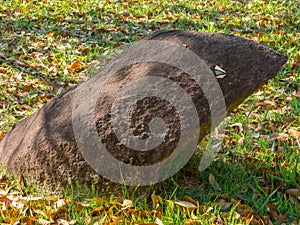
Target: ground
49 46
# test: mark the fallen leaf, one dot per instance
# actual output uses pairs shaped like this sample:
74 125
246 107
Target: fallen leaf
127 203
158 221
241 141
294 132
61 202
244 209
42 221
186 204
239 125
59 213
205 208
272 208
116 204
294 200
223 203
98 209
155 199
189 199
213 182
280 136
29 219
293 191
22 64
147 224
130 211
26 87
158 211
75 67
268 103
193 222
282 218
64 222
49 35
1 135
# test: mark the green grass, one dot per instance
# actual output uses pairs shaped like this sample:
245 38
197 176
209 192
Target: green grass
40 40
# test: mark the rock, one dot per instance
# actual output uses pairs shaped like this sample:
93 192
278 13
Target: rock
44 148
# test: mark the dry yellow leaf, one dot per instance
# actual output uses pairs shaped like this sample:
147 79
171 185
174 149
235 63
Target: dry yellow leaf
294 132
155 199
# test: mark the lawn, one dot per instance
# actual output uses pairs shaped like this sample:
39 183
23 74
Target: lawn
48 46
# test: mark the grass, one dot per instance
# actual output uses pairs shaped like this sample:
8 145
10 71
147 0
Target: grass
47 46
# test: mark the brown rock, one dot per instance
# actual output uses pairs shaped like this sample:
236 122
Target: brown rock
43 149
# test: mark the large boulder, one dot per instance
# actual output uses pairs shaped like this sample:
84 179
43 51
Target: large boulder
47 150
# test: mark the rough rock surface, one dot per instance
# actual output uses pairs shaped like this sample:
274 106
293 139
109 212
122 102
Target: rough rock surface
42 147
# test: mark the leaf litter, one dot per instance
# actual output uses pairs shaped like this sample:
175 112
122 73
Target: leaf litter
47 54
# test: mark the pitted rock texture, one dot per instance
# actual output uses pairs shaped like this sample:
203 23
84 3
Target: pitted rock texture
42 147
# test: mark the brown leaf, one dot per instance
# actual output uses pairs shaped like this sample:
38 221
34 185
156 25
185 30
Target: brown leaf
66 34
26 87
223 203
158 211
189 199
267 171
268 103
272 208
130 211
59 213
244 209
282 218
75 67
147 224
29 219
187 205
98 209
35 65
193 222
205 208
1 135
22 64
254 218
119 211
85 51
155 199
117 44
293 191
294 200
